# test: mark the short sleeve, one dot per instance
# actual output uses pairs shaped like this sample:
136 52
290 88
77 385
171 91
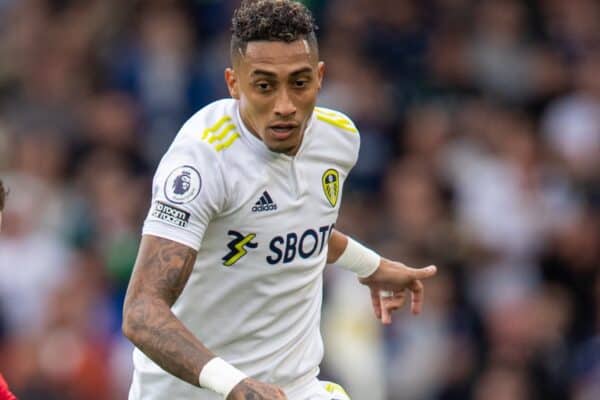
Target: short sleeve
187 192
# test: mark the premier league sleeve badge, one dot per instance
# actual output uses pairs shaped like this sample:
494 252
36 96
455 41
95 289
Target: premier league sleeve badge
183 184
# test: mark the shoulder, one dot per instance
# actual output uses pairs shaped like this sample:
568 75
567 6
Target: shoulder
212 126
337 133
336 120
208 132
195 158
203 139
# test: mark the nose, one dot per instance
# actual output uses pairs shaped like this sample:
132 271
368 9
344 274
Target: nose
284 107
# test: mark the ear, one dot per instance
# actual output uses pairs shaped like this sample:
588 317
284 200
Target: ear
232 83
320 72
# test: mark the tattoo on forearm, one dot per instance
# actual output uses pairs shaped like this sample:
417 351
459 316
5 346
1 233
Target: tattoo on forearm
162 271
167 267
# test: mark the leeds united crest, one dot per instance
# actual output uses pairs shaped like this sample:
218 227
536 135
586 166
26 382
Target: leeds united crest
331 185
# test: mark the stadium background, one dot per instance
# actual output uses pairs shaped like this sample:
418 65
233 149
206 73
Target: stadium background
480 123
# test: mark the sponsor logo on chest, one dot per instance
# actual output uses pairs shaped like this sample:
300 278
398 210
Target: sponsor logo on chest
282 249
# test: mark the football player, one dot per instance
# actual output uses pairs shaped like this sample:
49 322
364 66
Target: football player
226 293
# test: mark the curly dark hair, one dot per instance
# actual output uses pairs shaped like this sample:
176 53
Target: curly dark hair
272 20
2 196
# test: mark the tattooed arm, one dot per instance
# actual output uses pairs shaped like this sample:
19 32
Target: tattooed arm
161 271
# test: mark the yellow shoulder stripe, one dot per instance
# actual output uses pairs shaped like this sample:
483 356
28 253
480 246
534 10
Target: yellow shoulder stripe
334 388
335 119
228 142
220 135
215 127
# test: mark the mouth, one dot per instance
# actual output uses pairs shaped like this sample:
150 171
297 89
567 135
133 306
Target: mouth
283 130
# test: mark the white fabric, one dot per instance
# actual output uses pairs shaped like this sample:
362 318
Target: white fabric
220 376
262 313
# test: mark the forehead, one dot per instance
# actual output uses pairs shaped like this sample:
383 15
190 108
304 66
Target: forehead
277 57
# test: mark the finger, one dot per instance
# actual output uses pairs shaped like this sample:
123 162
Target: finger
386 315
417 293
389 304
282 394
376 302
423 273
395 301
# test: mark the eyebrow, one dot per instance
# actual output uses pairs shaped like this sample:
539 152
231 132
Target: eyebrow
274 75
263 72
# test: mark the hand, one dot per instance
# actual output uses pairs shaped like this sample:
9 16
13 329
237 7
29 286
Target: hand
251 389
398 278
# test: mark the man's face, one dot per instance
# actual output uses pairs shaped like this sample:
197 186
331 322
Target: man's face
277 85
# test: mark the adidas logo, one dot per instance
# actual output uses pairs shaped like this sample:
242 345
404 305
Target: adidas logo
265 203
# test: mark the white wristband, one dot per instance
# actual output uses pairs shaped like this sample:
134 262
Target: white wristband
220 376
359 259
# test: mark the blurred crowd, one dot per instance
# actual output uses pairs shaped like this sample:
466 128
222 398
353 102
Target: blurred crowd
480 127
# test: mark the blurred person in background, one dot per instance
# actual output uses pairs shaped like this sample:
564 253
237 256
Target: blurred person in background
159 68
503 382
2 200
5 393
571 123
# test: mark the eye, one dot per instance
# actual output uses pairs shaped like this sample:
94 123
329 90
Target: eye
300 83
263 86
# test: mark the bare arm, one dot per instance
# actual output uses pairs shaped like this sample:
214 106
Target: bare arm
336 246
161 271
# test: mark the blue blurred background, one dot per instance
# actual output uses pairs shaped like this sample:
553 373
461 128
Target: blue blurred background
480 124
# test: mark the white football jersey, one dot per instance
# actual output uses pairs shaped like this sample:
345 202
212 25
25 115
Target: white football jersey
260 222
